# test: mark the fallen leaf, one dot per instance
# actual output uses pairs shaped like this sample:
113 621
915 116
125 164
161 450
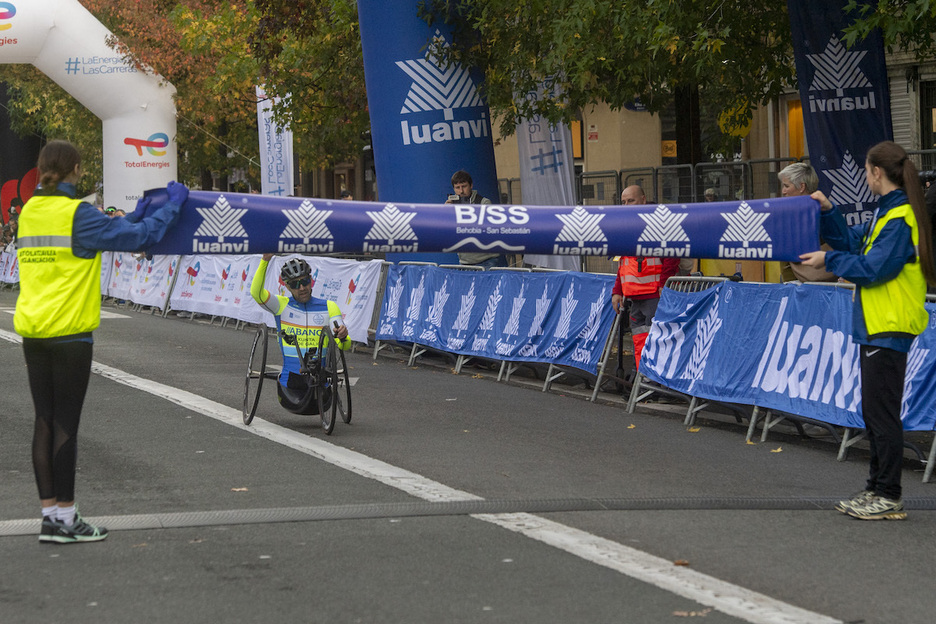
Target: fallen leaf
681 562
779 449
751 443
477 376
238 489
694 429
631 426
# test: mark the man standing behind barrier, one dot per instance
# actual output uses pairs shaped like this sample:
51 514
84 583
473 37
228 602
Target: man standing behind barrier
464 194
801 179
640 281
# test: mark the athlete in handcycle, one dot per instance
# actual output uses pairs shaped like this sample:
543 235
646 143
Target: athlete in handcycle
312 337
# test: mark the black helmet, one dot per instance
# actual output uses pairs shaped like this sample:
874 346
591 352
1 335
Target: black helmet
294 269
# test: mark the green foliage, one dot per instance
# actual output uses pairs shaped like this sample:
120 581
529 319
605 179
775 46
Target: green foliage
904 24
737 51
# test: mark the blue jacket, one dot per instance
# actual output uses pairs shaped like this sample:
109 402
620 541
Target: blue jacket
94 231
892 248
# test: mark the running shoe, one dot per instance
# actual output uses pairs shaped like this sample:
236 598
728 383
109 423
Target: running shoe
879 508
80 531
47 532
860 498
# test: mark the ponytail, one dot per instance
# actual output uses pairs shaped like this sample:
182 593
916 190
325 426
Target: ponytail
899 169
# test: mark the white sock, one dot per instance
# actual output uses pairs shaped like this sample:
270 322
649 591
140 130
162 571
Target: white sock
66 515
49 512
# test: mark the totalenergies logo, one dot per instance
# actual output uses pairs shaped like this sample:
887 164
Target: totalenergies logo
155 145
7 11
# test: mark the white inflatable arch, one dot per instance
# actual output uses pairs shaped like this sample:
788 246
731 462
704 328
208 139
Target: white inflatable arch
67 43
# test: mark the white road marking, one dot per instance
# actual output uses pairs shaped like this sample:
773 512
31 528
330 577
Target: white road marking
726 597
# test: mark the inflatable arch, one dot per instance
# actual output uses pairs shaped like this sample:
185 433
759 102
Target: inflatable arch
67 43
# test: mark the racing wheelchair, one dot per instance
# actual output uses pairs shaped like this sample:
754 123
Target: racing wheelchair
324 388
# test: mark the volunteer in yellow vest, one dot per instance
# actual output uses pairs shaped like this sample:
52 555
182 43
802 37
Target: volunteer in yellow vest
59 305
890 261
640 281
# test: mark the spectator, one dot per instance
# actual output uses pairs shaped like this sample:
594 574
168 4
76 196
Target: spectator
462 184
711 195
346 195
890 261
801 179
640 281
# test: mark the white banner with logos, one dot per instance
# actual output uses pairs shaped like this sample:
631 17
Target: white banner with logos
547 176
276 150
152 280
349 283
220 286
217 286
9 268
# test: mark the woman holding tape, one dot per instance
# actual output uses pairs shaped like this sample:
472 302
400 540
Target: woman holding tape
890 261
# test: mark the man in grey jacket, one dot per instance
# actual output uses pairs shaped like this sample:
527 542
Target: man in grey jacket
462 185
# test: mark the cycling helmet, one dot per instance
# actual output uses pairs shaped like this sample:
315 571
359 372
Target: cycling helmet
294 269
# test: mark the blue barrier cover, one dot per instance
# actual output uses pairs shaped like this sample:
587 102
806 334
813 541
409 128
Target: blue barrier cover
235 223
561 318
782 347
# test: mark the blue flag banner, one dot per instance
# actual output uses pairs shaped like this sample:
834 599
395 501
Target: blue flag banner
846 101
561 318
782 347
232 223
428 120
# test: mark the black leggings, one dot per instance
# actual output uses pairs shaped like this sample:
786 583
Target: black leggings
58 378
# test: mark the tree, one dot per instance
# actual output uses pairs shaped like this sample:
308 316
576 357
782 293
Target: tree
737 52
904 24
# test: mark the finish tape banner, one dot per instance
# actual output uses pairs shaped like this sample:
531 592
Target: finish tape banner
781 347
232 223
560 318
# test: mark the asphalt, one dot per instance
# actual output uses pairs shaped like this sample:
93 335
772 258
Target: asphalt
419 510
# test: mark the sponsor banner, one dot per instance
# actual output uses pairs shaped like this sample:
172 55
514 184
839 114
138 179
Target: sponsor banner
217 286
546 172
846 100
152 280
220 286
349 283
782 347
276 151
119 268
233 223
9 268
427 120
560 318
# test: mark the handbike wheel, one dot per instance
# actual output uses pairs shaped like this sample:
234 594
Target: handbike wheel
342 394
327 381
256 369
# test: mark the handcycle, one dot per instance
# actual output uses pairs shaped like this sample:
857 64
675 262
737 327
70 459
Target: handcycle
327 389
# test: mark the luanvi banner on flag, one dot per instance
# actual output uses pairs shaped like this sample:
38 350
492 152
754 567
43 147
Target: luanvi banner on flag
845 98
233 223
